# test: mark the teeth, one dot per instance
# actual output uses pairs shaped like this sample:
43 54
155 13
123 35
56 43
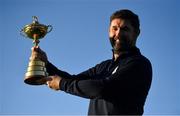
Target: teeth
117 40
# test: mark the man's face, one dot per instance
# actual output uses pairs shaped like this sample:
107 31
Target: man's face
121 34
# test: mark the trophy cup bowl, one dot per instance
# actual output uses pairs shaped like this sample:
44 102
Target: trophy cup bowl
36 72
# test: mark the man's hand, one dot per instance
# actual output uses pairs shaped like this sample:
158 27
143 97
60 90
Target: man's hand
53 82
37 53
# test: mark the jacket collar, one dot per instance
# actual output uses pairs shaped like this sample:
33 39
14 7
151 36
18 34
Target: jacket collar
129 52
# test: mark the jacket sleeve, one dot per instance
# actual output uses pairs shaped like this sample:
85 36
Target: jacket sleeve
132 77
53 70
89 74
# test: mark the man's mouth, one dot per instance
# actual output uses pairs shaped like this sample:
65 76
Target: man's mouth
119 44
116 45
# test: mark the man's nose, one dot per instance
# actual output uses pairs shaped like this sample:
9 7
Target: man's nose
117 34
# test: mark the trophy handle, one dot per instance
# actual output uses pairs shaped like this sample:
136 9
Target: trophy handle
49 28
23 33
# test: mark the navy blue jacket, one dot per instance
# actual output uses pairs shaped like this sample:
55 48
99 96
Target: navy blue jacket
113 87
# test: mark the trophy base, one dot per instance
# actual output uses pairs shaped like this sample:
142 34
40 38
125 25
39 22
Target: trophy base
36 73
35 80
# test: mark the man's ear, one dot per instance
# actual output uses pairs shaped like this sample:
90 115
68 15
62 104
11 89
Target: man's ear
109 27
138 32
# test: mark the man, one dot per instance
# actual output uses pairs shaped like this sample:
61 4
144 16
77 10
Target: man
118 86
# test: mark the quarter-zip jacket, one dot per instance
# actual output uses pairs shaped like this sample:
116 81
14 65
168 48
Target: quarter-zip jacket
113 87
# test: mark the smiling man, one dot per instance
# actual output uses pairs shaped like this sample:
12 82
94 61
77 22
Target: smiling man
117 86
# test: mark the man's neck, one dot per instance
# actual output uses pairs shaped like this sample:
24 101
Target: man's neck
116 56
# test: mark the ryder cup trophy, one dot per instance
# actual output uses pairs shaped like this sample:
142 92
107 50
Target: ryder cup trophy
36 72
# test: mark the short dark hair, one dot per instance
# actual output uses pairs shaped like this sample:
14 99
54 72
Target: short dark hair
129 16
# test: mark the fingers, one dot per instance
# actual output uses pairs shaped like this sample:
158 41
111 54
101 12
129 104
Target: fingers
53 82
48 80
48 83
36 49
37 53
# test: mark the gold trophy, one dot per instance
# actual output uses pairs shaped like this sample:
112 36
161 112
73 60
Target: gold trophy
36 72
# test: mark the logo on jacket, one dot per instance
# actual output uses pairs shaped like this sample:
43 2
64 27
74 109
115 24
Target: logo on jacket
114 71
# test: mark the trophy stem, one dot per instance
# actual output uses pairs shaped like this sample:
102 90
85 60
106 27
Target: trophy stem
35 39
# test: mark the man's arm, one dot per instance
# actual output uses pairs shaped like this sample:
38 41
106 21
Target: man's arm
52 70
130 78
88 74
56 75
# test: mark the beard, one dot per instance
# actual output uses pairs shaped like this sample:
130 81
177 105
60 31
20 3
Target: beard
120 44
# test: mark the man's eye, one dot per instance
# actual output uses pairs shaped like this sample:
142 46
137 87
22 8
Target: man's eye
115 28
124 28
